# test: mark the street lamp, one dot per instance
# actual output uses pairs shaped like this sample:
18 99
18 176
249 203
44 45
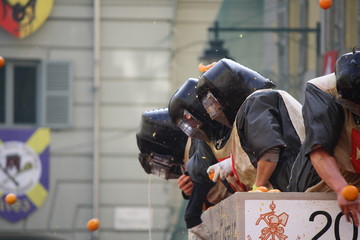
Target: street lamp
216 51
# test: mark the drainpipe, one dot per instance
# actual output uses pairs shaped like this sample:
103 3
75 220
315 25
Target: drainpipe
96 98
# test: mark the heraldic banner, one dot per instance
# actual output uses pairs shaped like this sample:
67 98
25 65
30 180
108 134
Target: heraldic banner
24 170
21 18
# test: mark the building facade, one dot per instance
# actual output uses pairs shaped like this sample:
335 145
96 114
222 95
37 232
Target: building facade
90 70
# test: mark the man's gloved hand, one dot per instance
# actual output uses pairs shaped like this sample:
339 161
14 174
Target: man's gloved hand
220 170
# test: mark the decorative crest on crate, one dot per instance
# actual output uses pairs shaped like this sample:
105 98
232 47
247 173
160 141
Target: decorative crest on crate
275 224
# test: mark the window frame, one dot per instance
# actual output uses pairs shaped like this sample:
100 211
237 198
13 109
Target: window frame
54 80
9 91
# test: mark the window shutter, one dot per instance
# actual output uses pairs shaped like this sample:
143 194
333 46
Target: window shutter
57 107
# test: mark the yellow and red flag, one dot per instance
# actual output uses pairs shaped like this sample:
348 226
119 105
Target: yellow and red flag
23 17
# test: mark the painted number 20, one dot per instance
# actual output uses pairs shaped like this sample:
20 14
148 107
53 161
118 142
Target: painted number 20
328 224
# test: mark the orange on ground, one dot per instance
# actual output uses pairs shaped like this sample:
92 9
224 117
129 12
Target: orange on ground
93 224
10 198
2 61
350 192
325 4
211 175
262 188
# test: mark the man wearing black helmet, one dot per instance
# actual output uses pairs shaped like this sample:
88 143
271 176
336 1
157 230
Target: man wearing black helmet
161 145
329 157
188 114
223 88
165 150
266 132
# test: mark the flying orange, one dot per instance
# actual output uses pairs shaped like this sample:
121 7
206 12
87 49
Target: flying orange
10 198
325 4
2 61
93 224
203 68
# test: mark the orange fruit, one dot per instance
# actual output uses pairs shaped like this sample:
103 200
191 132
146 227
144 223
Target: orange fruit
203 68
2 61
262 188
211 175
93 224
350 192
325 4
274 190
10 198
255 190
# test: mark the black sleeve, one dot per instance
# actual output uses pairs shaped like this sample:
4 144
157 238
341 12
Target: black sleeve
258 124
186 197
199 163
323 119
194 208
193 146
196 167
303 174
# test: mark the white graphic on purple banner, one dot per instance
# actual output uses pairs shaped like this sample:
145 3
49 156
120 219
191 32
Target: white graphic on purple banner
24 170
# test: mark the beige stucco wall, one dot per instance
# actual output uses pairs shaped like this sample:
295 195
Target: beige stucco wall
193 18
146 53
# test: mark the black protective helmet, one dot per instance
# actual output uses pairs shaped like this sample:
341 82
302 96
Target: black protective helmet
161 144
347 71
223 88
187 112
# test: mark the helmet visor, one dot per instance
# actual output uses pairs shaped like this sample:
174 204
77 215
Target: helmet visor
162 166
214 109
191 126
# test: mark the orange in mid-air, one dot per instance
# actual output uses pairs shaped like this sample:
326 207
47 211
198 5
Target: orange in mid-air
2 61
93 224
203 68
325 4
350 192
10 198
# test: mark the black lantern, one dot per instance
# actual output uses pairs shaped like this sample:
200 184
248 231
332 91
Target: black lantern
216 51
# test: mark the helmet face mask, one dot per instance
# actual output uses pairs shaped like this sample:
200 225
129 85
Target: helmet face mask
214 109
161 145
187 112
162 166
191 126
230 83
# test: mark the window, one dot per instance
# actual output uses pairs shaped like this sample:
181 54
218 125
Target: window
35 93
18 84
2 95
24 93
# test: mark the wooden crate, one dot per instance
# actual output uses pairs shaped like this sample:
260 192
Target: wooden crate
278 216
